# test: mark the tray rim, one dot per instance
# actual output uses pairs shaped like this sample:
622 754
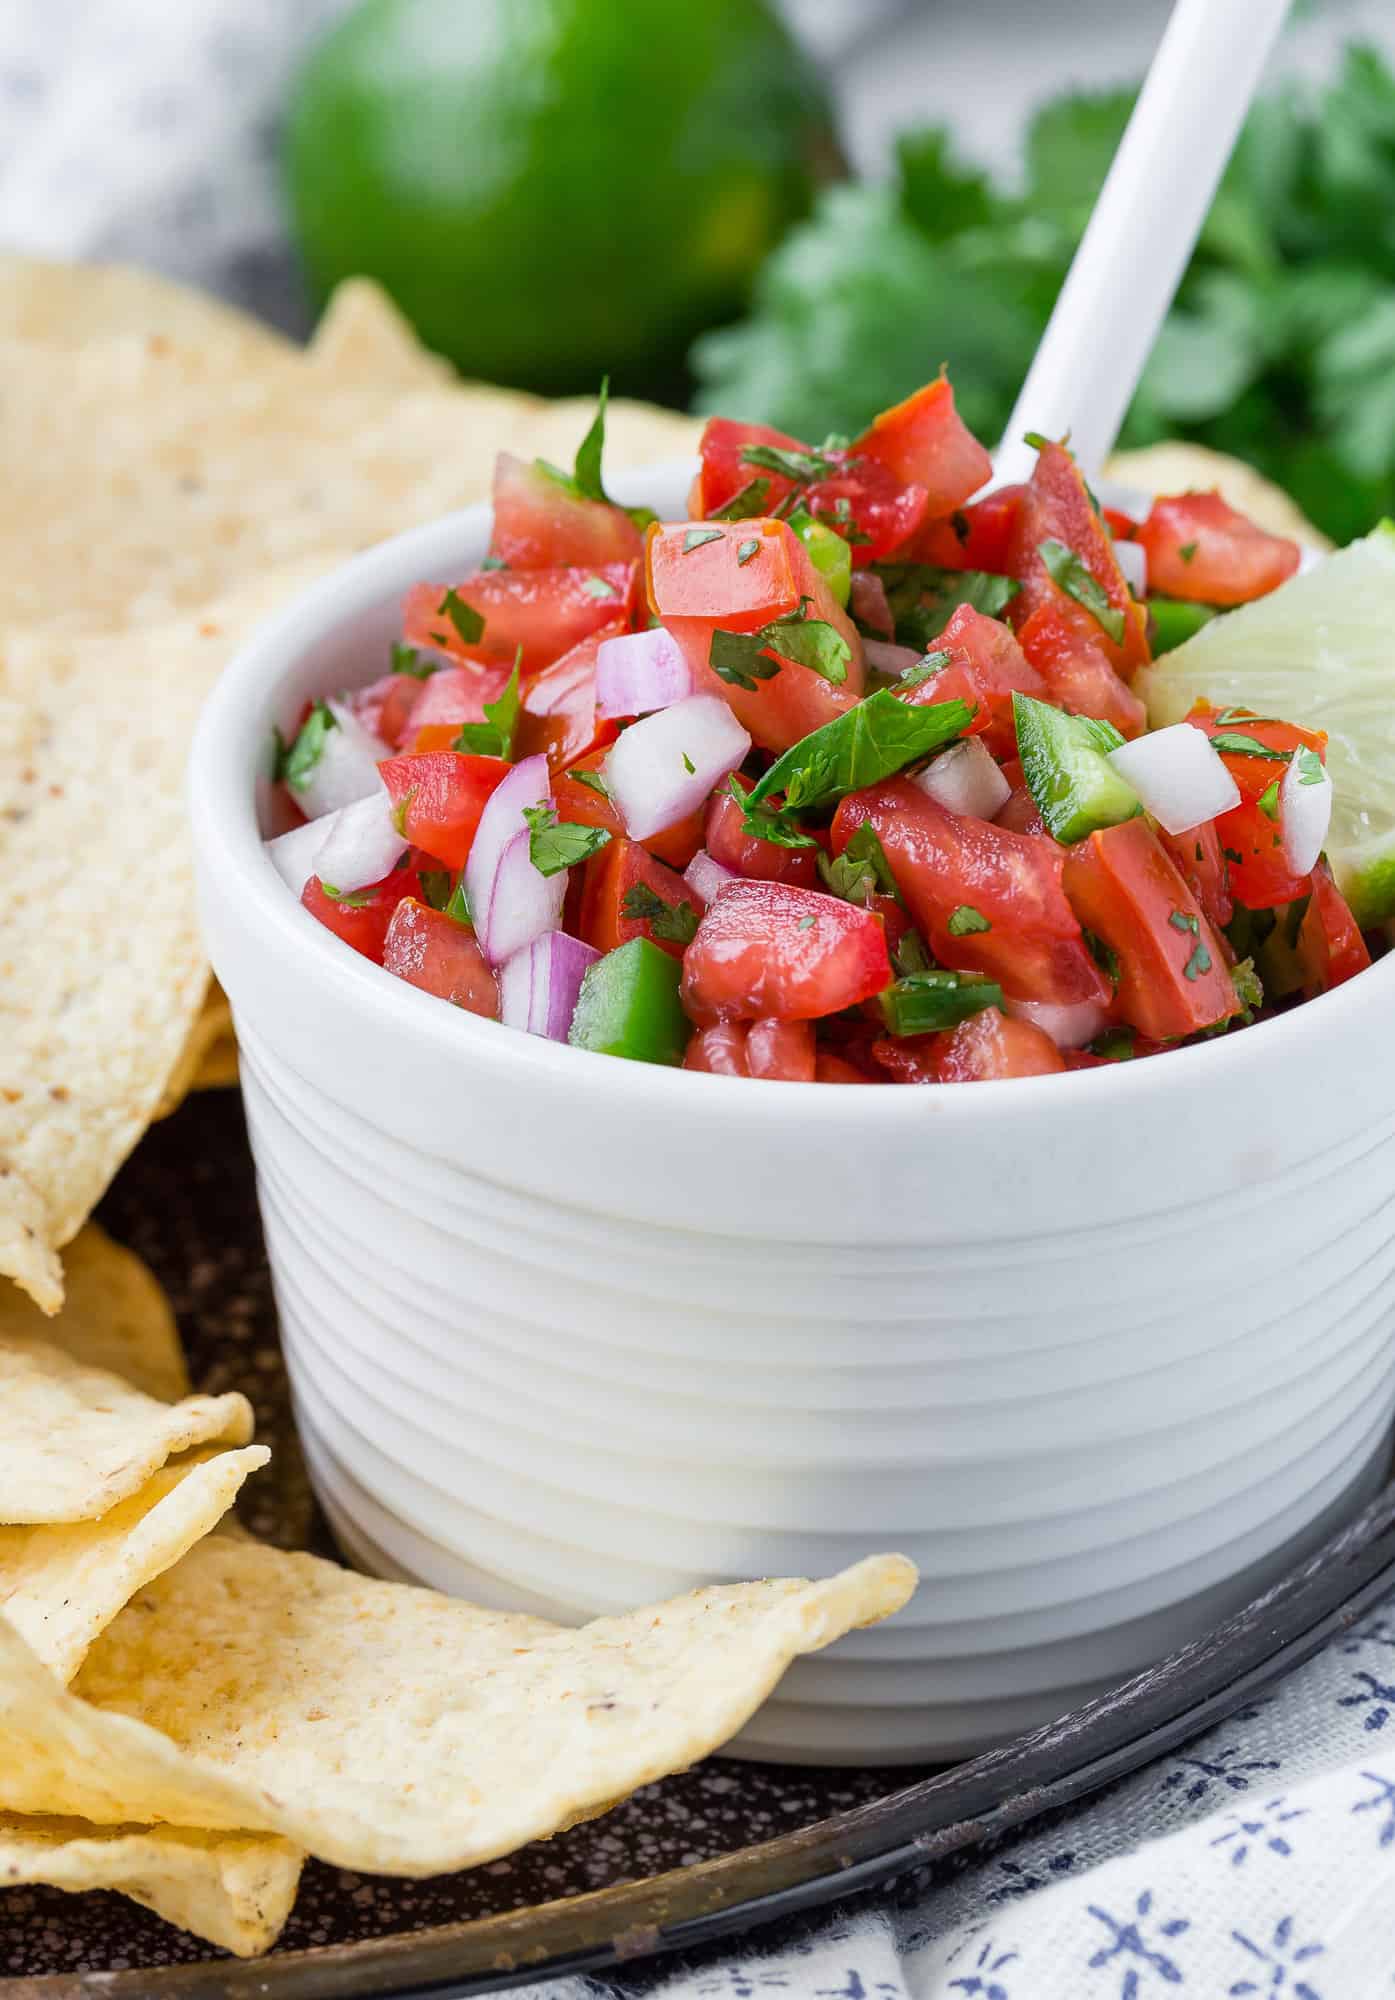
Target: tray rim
864 1847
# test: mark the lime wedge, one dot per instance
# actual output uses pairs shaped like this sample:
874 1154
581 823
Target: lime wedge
1319 651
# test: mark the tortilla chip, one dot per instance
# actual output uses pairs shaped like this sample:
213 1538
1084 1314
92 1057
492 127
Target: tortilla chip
1182 468
219 1068
116 1317
69 306
388 1728
363 337
61 1586
204 1050
235 1890
75 1441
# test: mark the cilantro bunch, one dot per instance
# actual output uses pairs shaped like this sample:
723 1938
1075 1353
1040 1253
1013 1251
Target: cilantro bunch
1280 348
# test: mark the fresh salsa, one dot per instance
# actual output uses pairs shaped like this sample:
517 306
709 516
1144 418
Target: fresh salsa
843 779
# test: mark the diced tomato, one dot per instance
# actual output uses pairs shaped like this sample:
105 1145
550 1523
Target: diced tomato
582 803
945 861
367 703
1077 672
744 854
449 698
978 536
719 1050
769 949
924 442
1057 507
907 1058
986 666
697 590
559 705
1174 972
1198 858
539 524
885 511
989 1047
829 1068
781 1051
1122 526
430 950
722 471
1198 546
1251 839
610 877
545 611
439 797
1020 813
1331 948
361 919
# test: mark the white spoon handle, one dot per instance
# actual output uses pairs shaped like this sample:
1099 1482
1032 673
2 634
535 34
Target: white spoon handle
1143 229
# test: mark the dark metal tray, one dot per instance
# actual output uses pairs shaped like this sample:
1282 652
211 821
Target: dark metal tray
715 1851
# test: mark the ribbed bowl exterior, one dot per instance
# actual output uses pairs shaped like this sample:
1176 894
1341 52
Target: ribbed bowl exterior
1102 1353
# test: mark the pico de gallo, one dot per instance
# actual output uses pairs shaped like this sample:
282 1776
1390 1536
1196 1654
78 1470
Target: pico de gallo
843 779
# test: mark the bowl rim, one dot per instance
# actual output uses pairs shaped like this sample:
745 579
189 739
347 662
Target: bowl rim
220 790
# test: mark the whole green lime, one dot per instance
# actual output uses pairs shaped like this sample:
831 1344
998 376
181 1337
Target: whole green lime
555 188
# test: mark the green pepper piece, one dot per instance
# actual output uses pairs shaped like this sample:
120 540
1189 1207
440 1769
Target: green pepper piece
830 554
629 1006
923 1002
1175 620
1065 761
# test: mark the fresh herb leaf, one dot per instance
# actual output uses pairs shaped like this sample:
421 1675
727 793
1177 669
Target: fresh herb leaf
1186 551
737 659
1235 745
1183 920
697 538
493 562
1311 769
596 586
585 481
966 921
742 658
924 670
305 753
348 899
805 924
844 522
592 779
458 908
861 871
910 955
921 1003
745 504
923 599
402 808
746 550
1249 990
555 844
872 741
1232 855
407 660
494 736
1035 440
805 468
1069 573
1226 716
1104 955
1199 962
676 922
1114 1045
689 766
1268 800
767 822
467 621
436 886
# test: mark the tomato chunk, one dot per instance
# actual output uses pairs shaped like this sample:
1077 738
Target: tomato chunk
744 854
539 524
946 863
781 1051
439 797
978 536
1056 507
1174 971
545 611
1198 546
1200 861
559 705
723 472
924 442
989 1047
441 704
1331 948
1078 673
611 878
1256 752
361 919
770 949
430 950
719 1050
986 665
883 510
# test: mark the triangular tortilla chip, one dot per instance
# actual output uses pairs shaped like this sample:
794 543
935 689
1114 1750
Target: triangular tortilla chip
115 1317
234 1889
60 1586
385 1727
204 1051
363 337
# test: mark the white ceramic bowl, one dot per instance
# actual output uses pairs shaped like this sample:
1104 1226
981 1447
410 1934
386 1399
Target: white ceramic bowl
1103 1352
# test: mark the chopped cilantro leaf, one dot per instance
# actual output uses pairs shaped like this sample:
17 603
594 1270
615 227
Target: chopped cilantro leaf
1311 770
555 844
1069 573
872 741
805 924
924 670
689 766
494 736
1199 962
467 621
1182 920
743 658
407 660
348 899
766 822
746 504
1187 551
1249 990
458 908
923 599
805 468
592 779
436 886
308 748
493 562
910 955
1114 1045
585 480
1233 855
1104 955
1035 440
861 871
697 538
1268 800
966 920
596 586
745 550
1235 745
676 922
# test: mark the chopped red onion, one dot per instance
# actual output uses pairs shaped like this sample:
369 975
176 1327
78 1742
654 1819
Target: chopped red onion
640 672
868 605
1178 777
965 779
1305 810
1070 1025
361 843
889 659
346 768
523 904
705 877
293 854
1132 559
502 824
663 767
538 986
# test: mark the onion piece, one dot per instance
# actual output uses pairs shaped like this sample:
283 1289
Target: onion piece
640 672
1132 559
663 767
1305 810
523 903
885 658
346 768
501 822
538 986
868 605
965 779
293 854
1179 778
1070 1026
705 877
361 843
